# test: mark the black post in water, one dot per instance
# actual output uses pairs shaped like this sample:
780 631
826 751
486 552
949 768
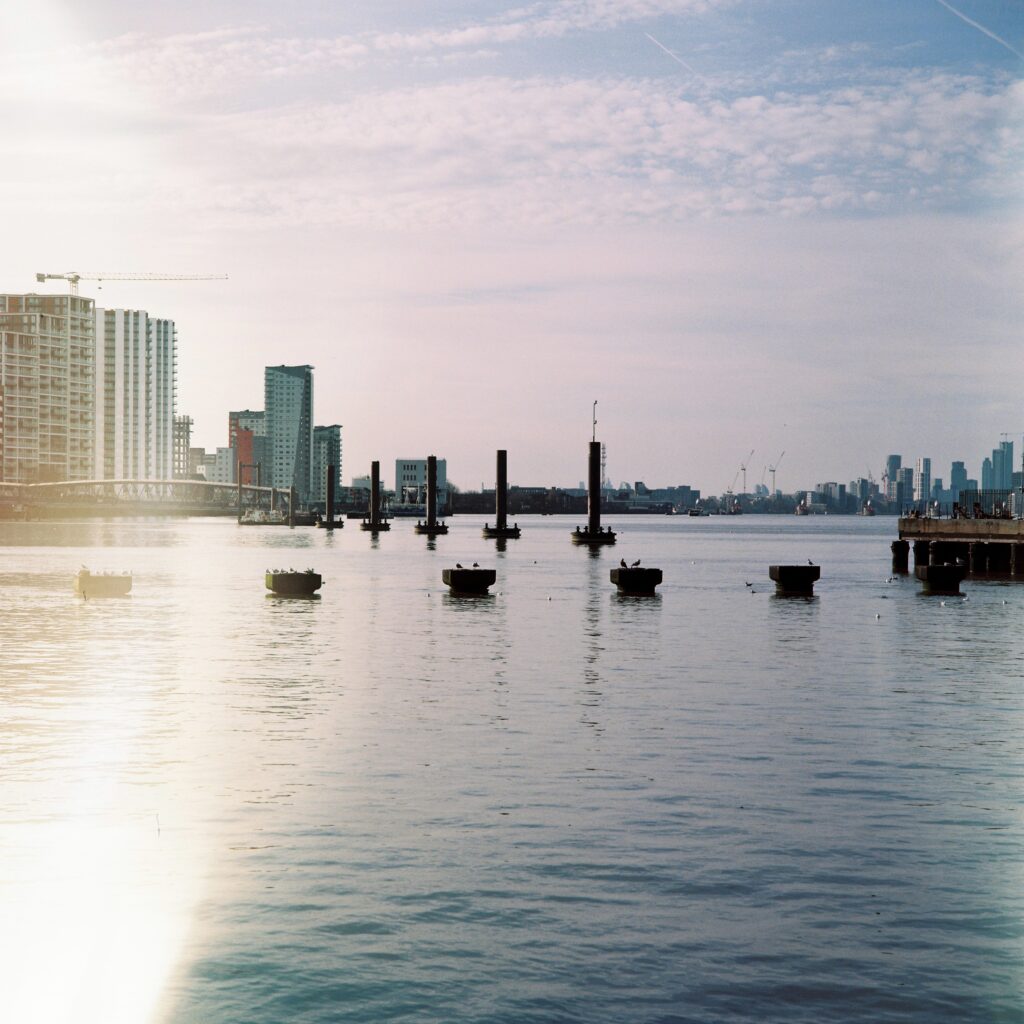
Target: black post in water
240 492
431 527
373 521
501 529
330 497
291 507
593 534
431 490
594 489
501 490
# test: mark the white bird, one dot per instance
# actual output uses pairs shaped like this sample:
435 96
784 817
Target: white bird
877 616
942 604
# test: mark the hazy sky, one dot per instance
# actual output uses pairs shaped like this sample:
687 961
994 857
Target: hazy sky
768 224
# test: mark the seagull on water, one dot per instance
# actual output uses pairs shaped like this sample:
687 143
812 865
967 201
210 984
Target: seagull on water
746 584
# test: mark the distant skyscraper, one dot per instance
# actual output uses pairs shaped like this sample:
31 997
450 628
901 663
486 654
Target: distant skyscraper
135 395
922 480
47 372
326 452
957 479
892 469
288 398
1002 466
986 475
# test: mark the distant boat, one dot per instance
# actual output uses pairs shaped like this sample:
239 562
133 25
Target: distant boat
102 584
866 509
258 517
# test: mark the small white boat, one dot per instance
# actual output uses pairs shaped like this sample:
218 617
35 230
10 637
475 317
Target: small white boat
102 584
258 517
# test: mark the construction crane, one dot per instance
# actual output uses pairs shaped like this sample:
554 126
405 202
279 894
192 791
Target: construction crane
772 468
73 277
743 469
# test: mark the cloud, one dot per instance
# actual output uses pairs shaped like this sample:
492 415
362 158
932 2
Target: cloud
203 64
554 150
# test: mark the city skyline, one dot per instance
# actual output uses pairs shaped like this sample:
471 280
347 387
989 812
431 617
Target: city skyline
736 224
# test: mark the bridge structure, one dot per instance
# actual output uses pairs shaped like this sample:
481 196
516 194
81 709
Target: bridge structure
96 498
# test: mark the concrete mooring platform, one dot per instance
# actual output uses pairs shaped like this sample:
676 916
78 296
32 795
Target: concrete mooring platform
635 581
469 582
794 580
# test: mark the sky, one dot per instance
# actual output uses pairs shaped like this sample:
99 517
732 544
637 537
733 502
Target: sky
778 225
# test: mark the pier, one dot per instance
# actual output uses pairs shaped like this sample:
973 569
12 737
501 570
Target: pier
982 546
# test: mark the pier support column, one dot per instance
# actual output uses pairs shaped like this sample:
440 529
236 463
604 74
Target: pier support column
901 556
936 553
920 553
1017 560
977 560
291 507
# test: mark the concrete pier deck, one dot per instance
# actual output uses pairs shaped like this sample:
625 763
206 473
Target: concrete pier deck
984 546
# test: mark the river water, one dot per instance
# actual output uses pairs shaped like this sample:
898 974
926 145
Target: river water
550 805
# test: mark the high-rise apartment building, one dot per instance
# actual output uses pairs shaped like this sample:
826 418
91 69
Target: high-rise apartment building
893 465
326 452
135 393
247 435
47 366
288 409
182 444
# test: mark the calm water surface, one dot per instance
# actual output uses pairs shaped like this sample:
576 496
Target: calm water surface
554 804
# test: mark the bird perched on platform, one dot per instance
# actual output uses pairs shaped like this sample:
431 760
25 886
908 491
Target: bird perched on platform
622 564
458 565
476 565
635 564
809 562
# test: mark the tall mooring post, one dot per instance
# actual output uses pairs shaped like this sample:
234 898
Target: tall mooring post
431 527
373 521
501 489
593 534
501 529
329 510
291 507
